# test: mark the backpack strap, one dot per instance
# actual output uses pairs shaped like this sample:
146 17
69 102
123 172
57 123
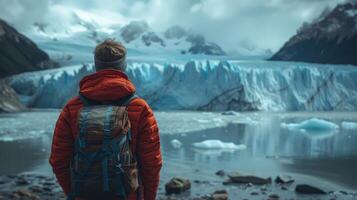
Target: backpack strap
105 148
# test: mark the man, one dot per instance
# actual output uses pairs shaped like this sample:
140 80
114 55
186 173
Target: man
109 83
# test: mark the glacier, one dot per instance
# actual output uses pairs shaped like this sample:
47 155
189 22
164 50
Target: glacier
209 85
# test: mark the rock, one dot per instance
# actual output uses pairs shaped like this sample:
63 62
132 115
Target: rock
274 196
47 183
263 189
151 37
48 189
284 188
254 193
24 194
231 112
220 173
235 177
220 195
250 185
200 182
343 192
284 179
133 30
177 185
36 189
175 32
201 46
227 182
9 101
22 181
308 189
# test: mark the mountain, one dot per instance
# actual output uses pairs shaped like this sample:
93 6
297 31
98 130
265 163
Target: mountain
138 34
19 54
331 38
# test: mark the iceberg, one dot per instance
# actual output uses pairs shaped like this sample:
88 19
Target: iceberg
175 143
349 125
313 124
217 144
210 85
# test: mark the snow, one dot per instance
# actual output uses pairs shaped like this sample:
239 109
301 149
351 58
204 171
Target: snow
175 143
349 125
351 12
262 85
313 124
217 144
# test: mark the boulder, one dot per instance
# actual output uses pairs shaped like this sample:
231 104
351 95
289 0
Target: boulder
220 173
284 179
308 189
177 185
274 196
220 195
24 194
236 177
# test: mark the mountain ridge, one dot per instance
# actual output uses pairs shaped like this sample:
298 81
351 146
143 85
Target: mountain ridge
19 54
331 38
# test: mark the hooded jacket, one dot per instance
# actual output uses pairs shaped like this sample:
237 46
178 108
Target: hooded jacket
103 86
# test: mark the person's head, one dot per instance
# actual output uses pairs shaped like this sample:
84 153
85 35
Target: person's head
110 55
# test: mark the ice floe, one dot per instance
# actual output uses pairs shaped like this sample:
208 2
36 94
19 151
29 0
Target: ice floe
218 144
313 124
175 143
349 125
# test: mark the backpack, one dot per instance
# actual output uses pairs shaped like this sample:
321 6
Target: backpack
103 166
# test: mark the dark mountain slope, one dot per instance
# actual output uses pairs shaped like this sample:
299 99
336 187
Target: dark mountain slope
332 38
19 54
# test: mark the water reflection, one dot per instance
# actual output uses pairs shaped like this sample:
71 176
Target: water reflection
329 155
24 155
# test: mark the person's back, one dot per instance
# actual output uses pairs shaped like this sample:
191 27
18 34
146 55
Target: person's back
109 84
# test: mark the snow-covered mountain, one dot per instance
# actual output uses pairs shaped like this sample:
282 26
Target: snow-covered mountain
139 35
331 38
84 32
210 85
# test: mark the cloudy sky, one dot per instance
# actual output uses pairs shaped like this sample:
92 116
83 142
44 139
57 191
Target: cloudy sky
261 23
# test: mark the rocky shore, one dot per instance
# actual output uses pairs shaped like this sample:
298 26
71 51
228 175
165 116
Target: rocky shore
33 187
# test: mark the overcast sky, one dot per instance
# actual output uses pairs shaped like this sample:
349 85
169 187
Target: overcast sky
263 23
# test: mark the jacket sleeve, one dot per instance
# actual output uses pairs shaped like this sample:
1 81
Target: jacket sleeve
149 153
62 150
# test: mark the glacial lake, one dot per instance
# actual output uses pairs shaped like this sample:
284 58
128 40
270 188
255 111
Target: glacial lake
321 152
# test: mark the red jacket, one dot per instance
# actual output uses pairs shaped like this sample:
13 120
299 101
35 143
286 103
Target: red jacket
109 85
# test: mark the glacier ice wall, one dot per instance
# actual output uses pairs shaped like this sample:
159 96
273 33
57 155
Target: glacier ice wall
211 85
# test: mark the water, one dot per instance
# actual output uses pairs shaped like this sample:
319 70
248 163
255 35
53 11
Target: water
327 159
